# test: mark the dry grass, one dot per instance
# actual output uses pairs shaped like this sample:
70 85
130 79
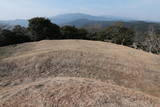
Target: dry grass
74 92
127 67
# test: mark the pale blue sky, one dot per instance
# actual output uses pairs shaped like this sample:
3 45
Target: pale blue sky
22 9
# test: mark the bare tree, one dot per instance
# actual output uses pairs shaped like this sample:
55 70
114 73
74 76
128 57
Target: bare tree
152 41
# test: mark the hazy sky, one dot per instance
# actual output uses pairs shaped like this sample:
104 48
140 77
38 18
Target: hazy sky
20 9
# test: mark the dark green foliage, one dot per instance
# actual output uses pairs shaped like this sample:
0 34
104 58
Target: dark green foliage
71 32
17 35
9 37
2 39
120 35
82 33
42 28
22 33
117 34
99 36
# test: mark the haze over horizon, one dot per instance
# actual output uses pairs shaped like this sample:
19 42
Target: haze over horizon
24 9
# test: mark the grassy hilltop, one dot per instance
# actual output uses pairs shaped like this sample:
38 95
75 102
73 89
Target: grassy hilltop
131 75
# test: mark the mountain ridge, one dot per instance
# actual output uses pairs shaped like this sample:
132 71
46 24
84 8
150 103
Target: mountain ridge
66 18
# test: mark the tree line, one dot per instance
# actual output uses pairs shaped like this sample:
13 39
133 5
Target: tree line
40 28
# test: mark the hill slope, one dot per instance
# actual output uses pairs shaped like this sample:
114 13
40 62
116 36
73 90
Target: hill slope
74 92
122 66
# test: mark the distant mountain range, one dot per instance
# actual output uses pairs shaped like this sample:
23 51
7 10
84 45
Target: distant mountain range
92 23
96 25
68 18
21 22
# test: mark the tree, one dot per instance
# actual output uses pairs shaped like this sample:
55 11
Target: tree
82 33
13 36
69 32
120 35
1 36
22 34
42 28
152 43
2 39
8 37
91 36
5 35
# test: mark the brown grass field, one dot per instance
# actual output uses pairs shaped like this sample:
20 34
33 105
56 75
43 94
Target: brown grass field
74 92
131 75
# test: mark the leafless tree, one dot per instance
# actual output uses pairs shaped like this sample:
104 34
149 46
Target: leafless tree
152 41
